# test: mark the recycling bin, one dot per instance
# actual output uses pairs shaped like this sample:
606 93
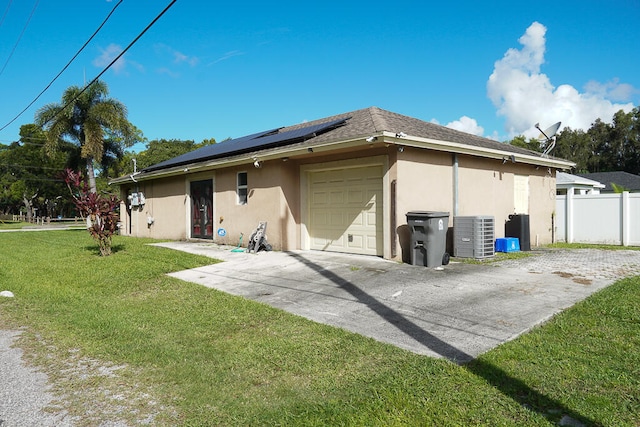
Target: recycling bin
428 238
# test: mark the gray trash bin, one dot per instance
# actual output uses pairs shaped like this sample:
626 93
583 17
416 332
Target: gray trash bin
428 238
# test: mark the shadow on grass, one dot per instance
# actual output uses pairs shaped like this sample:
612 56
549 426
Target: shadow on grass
509 386
95 249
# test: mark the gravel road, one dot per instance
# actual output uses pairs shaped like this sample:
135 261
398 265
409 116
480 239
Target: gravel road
25 399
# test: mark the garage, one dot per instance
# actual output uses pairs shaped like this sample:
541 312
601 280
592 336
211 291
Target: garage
345 210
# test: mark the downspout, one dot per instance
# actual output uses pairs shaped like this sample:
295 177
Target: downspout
455 184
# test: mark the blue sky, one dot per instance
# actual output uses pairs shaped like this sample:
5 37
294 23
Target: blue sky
227 69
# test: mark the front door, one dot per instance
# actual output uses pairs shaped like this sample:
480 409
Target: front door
202 209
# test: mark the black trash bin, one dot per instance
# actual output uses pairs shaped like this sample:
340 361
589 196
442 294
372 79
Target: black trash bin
428 238
518 226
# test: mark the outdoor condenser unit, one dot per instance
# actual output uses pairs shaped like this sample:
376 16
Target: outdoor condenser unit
473 236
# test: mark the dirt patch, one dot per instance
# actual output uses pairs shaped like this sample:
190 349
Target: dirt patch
579 280
563 274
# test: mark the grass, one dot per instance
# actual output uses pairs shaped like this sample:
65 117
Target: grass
594 246
121 340
12 225
498 256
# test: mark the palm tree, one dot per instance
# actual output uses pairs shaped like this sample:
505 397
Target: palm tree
85 116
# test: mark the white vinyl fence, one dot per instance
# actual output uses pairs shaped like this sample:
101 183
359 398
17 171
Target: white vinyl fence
598 218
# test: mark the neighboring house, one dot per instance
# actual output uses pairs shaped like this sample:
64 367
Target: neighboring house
343 183
574 184
628 181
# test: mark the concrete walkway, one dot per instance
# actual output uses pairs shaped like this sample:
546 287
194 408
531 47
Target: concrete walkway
457 312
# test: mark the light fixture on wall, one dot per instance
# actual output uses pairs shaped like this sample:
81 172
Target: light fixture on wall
400 148
257 163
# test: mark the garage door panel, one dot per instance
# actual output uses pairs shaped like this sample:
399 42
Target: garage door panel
357 242
356 196
337 197
352 220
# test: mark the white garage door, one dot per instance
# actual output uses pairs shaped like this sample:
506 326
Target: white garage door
345 208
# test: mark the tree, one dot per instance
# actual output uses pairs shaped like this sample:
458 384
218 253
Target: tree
85 116
158 150
575 145
520 141
30 178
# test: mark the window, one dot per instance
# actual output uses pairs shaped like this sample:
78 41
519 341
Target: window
242 188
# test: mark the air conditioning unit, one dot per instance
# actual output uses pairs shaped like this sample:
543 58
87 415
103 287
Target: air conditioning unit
473 236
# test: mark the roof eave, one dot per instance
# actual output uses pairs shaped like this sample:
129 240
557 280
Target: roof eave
458 148
300 149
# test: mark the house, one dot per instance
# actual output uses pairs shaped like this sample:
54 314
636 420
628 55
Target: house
343 183
624 180
574 184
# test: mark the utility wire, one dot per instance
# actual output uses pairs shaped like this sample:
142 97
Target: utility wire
109 65
65 67
30 167
20 37
5 12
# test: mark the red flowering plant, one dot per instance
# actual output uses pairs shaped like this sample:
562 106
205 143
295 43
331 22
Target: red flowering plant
99 210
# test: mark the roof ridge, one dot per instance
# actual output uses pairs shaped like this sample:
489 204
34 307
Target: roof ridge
378 119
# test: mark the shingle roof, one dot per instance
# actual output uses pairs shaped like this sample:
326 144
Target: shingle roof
351 125
627 180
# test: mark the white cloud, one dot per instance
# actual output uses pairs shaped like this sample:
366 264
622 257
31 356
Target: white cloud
227 55
178 57
109 53
525 96
466 124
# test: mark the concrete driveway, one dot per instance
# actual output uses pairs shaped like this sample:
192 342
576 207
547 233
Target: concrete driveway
457 312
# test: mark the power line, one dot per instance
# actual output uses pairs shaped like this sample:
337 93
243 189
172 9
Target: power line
5 12
106 68
20 37
111 63
65 67
30 167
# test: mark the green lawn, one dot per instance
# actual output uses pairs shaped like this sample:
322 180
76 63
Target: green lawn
11 225
121 340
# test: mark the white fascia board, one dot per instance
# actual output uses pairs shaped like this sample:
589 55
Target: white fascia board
455 147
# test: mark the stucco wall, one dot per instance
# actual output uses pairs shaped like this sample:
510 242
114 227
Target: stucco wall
425 181
272 191
486 187
542 205
166 203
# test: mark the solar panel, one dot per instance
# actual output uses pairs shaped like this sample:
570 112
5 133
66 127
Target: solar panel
261 140
209 151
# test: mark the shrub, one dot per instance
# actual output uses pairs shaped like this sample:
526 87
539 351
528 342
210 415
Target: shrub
99 210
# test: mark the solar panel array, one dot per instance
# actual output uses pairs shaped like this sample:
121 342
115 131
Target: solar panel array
261 140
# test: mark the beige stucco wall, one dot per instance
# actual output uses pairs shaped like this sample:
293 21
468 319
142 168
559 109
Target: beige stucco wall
486 187
166 203
272 191
542 205
425 181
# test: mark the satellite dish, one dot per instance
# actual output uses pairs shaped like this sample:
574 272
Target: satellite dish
547 138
